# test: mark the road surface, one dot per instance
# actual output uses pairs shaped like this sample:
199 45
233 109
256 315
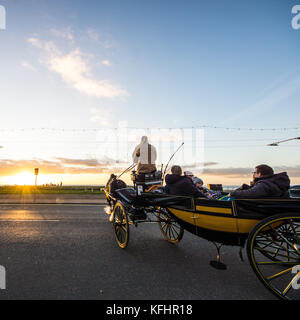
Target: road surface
69 252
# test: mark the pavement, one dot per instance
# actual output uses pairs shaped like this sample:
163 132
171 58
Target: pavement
68 252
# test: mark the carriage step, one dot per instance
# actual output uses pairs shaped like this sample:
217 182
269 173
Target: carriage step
218 265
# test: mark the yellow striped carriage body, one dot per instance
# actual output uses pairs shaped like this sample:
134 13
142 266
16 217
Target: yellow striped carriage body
229 222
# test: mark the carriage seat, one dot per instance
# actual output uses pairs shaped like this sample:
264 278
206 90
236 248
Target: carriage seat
147 178
127 194
215 187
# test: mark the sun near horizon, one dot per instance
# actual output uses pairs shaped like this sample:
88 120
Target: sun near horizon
22 178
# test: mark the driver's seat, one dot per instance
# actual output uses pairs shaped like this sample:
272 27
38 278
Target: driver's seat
146 182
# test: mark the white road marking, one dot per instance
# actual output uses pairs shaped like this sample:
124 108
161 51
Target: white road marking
52 204
25 220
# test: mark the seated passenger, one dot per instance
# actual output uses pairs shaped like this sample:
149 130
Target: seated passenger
180 185
209 194
265 184
189 174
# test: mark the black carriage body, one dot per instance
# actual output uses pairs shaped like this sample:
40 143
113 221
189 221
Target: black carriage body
272 227
226 222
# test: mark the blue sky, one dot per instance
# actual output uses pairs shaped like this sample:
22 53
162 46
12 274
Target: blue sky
89 64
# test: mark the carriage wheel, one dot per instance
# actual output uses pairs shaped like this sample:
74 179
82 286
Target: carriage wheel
121 225
273 249
170 229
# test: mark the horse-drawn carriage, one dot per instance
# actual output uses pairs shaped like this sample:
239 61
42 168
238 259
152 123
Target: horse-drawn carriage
269 228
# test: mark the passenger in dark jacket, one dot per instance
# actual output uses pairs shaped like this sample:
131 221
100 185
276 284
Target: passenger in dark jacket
266 184
180 185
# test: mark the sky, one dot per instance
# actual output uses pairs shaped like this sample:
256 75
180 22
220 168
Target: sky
72 70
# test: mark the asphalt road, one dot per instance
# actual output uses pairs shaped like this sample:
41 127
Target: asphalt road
69 252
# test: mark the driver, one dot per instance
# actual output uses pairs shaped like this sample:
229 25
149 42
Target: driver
144 156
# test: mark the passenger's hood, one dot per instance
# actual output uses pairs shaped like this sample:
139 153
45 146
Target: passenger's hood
277 181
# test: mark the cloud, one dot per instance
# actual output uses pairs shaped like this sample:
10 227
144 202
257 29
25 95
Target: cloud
199 165
106 63
93 35
48 47
76 72
229 172
62 166
108 165
74 68
66 33
27 65
101 116
12 167
293 171
79 162
35 42
105 42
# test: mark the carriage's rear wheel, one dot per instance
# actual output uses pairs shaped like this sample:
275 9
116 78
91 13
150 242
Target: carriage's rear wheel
121 225
273 250
170 229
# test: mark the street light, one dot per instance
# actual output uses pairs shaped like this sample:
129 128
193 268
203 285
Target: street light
276 144
36 173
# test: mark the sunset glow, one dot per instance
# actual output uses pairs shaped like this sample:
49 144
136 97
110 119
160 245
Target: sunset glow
23 178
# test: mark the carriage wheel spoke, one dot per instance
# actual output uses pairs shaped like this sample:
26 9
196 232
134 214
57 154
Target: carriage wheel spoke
121 226
170 233
289 286
295 233
284 238
277 248
272 242
173 232
170 229
274 276
268 251
118 232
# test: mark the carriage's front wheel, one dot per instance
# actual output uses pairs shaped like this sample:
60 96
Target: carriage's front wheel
121 225
273 249
170 229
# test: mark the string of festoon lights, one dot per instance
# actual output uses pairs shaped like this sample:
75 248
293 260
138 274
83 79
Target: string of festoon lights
154 128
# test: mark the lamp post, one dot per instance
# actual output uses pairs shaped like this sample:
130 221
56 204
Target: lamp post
36 173
276 144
